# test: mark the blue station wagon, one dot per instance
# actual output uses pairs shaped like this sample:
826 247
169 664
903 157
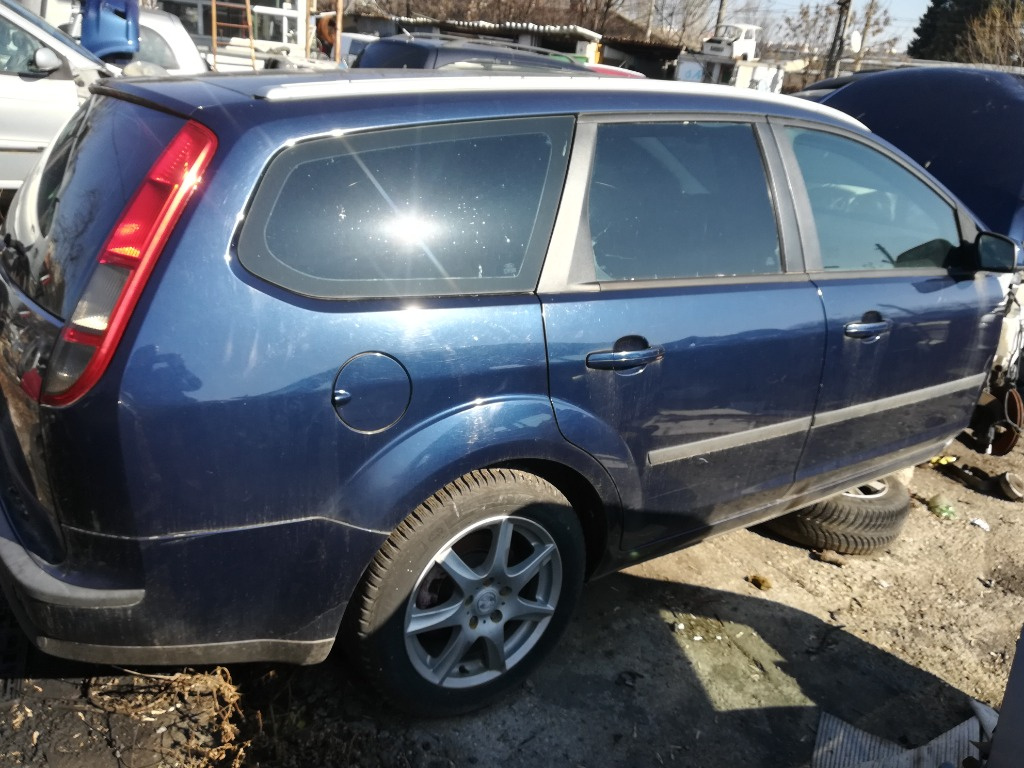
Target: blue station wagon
401 361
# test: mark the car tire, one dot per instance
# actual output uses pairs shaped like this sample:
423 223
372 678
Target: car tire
860 520
470 592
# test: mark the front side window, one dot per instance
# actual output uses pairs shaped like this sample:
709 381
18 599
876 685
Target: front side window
869 211
437 210
678 200
17 48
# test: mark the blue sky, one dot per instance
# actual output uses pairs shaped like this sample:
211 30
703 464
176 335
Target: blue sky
905 16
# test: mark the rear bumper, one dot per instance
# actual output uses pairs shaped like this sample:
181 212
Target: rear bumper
267 593
30 578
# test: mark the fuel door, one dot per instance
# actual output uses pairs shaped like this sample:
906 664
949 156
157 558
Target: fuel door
371 392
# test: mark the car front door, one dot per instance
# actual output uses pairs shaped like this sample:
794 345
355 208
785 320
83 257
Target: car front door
681 352
908 327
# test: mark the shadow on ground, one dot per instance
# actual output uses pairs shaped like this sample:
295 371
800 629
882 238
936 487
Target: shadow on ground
649 673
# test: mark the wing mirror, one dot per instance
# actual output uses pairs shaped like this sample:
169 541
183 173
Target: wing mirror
998 253
45 60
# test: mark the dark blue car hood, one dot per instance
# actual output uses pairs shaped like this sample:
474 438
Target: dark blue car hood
963 125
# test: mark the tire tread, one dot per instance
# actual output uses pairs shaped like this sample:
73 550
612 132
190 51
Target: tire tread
393 555
848 525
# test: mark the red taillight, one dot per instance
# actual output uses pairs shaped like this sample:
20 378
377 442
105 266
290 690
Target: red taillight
87 343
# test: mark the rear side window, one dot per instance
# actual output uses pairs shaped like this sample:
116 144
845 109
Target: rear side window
678 200
91 172
437 210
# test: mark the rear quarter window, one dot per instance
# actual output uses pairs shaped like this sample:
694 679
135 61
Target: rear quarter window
435 210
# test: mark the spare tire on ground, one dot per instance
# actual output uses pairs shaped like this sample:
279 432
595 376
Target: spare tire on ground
861 519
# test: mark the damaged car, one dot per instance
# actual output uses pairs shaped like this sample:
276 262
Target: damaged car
400 361
976 155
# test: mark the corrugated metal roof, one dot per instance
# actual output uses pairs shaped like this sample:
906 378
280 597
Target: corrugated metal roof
569 30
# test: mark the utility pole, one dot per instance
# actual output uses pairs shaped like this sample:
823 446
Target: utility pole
721 15
835 53
870 12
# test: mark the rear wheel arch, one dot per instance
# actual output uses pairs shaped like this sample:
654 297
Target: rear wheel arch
598 523
455 446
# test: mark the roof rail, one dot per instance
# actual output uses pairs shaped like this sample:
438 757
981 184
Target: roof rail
496 42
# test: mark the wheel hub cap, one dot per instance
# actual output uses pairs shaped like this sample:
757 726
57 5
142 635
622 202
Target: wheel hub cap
485 603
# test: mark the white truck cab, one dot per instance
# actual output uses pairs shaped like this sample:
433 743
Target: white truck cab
736 41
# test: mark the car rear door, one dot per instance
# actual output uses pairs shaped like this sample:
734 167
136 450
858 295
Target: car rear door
684 344
909 331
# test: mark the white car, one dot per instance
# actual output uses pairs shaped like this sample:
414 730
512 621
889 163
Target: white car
44 76
164 41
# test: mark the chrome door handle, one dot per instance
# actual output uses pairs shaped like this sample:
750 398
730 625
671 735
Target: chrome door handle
623 361
867 330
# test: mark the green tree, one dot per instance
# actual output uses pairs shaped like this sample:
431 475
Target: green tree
942 31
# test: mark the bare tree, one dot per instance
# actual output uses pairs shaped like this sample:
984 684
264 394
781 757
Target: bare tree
508 10
763 14
680 22
996 36
810 31
871 23
593 14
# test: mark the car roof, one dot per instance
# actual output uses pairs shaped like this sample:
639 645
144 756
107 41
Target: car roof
819 90
514 94
438 51
467 43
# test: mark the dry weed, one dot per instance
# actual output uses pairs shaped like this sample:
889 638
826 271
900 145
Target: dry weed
199 707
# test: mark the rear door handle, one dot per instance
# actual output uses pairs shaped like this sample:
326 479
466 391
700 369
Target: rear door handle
867 330
624 361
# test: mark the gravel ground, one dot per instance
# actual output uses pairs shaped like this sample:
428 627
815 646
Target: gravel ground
682 660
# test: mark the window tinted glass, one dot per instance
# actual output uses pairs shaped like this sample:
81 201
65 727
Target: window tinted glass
671 200
95 167
16 49
869 211
189 15
153 48
394 54
45 28
52 176
464 208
